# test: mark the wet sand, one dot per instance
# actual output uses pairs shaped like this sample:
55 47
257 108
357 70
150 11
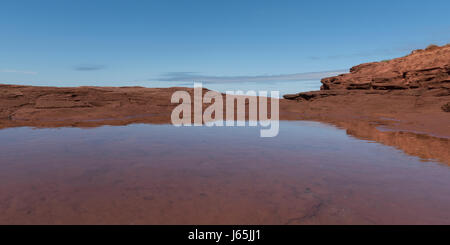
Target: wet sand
158 174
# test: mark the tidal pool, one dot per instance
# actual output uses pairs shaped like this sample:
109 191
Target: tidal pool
311 173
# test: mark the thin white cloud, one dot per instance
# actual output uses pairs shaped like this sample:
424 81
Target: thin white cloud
19 71
193 76
89 67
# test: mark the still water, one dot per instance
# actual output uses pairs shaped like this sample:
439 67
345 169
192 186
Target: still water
311 173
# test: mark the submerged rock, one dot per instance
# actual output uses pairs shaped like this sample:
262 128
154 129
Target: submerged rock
446 107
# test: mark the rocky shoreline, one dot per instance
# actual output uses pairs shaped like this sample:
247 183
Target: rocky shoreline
410 93
376 101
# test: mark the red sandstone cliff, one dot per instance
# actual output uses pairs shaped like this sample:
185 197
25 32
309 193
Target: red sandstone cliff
427 69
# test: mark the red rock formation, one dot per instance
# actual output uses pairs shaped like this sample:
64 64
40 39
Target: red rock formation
407 94
410 93
429 68
421 74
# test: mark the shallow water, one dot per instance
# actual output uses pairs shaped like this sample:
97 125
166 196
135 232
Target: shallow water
311 173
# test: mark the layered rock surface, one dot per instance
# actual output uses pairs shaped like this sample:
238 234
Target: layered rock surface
410 93
415 74
429 68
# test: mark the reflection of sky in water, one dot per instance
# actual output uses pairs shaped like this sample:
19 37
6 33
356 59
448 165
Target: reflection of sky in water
160 174
285 87
325 140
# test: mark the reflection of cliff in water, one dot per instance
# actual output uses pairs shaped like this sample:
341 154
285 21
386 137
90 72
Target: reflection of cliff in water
424 146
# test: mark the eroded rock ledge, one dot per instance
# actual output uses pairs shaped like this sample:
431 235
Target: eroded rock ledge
421 73
428 68
410 93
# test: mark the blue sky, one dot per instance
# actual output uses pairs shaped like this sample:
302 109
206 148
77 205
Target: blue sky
65 42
